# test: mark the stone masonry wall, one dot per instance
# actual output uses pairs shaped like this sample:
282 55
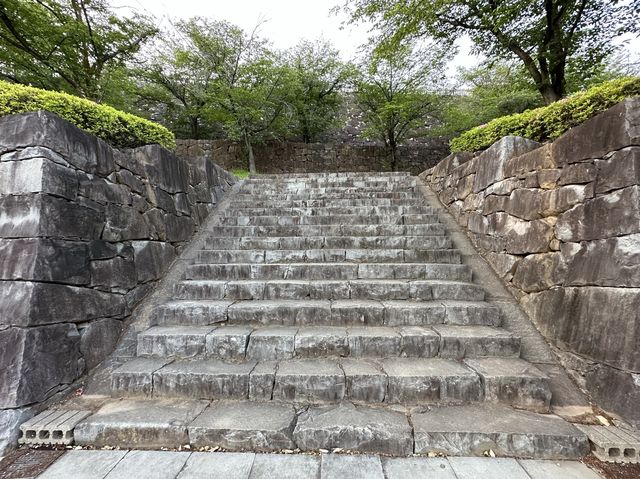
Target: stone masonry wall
294 157
560 223
85 233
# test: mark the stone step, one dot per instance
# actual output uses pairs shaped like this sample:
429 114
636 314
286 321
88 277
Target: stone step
326 313
279 177
246 202
330 230
329 242
328 211
222 256
311 195
376 289
268 343
408 381
328 271
342 219
471 430
318 189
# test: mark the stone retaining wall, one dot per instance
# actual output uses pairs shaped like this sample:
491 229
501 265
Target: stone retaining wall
294 157
560 223
85 233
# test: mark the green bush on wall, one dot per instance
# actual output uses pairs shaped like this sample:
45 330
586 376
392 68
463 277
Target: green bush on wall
119 129
549 122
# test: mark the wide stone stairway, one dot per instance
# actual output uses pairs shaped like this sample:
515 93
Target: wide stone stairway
323 312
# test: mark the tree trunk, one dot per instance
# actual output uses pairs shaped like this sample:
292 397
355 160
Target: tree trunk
252 160
391 138
195 128
549 93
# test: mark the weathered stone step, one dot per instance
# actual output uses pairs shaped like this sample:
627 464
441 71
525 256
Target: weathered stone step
329 242
327 211
470 430
376 289
316 189
271 177
329 256
326 203
326 313
348 219
311 195
326 271
268 343
407 381
330 230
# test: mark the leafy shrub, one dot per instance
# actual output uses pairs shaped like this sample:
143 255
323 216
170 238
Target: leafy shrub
549 122
120 129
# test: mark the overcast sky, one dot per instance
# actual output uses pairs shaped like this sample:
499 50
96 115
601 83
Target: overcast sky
287 21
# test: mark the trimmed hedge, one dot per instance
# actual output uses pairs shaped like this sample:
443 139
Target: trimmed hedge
549 122
120 129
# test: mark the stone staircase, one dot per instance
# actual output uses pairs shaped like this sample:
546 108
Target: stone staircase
328 311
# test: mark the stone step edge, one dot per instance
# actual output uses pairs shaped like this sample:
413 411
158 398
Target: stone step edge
379 312
283 342
312 380
354 429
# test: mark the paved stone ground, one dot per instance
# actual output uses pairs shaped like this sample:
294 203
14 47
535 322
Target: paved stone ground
83 464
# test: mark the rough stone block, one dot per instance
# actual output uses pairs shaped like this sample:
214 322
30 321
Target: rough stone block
321 341
37 175
209 379
262 380
534 160
418 342
537 272
136 377
245 426
173 341
44 259
574 319
514 382
26 303
228 342
124 223
44 215
490 163
578 173
473 430
356 428
608 262
37 362
620 170
139 423
152 259
617 212
609 131
271 343
84 151
309 379
115 274
98 339
414 381
527 236
365 380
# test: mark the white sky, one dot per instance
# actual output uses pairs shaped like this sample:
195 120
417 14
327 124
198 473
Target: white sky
288 21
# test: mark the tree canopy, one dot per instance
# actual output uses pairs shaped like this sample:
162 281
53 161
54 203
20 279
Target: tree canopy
67 44
398 94
542 34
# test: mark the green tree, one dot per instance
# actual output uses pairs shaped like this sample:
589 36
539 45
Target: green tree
542 34
255 101
319 78
485 92
397 95
67 44
177 79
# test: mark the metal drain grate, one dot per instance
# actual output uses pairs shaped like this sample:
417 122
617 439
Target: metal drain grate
51 427
613 444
